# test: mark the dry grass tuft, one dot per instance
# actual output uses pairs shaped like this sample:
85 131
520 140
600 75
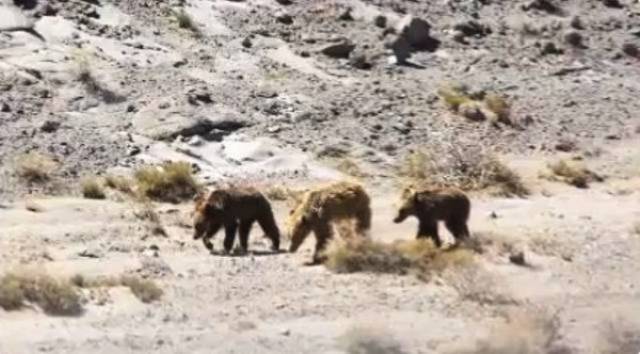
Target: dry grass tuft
92 189
35 167
53 296
454 96
119 183
171 182
467 169
185 21
573 173
498 105
475 106
350 168
279 193
401 257
144 289
360 340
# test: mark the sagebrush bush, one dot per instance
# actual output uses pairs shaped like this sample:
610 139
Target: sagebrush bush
171 182
92 189
119 183
144 289
53 296
465 168
573 173
419 256
185 21
35 167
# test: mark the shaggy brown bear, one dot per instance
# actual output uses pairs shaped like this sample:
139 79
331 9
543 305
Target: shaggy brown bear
236 209
431 205
321 207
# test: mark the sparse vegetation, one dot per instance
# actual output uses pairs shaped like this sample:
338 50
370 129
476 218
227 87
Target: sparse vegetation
92 189
454 96
171 182
360 340
476 106
573 173
148 214
468 169
53 296
185 21
144 289
619 336
499 105
349 167
86 77
278 193
636 229
35 167
402 257
119 183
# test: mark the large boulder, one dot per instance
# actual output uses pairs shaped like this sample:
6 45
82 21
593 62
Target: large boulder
413 34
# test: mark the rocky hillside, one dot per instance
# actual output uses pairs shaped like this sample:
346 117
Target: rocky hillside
102 84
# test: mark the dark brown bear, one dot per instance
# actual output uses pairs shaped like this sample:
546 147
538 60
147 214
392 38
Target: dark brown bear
431 205
236 209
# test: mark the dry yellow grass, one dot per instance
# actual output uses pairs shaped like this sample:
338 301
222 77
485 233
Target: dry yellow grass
467 171
171 182
144 289
119 183
349 167
401 257
573 173
498 105
92 189
148 214
53 296
35 167
453 96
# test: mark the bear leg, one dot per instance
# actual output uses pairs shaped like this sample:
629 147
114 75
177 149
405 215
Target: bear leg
230 228
244 231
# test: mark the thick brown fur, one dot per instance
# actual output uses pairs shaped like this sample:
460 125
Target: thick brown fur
320 208
433 204
236 209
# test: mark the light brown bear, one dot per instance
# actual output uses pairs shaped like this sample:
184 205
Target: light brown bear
431 205
236 209
320 208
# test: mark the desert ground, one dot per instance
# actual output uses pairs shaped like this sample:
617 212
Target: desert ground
529 106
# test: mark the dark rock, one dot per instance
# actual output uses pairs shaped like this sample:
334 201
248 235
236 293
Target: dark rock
612 3
346 15
50 126
246 42
416 32
575 39
472 28
518 258
565 146
550 48
284 18
198 96
4 107
631 49
284 2
576 23
380 21
547 6
339 50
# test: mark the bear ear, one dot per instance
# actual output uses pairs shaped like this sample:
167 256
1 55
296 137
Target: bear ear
216 200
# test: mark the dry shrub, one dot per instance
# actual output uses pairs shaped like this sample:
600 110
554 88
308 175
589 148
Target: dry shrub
523 333
119 183
573 173
144 289
171 182
361 340
35 167
454 95
465 168
401 257
498 105
476 106
148 214
53 296
636 228
33 207
92 189
185 21
278 193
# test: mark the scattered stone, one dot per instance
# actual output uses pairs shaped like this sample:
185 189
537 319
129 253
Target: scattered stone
472 28
575 39
196 96
284 2
50 126
90 254
246 42
631 49
550 48
339 50
518 258
4 107
576 23
284 18
565 146
416 32
380 21
547 6
612 3
346 15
